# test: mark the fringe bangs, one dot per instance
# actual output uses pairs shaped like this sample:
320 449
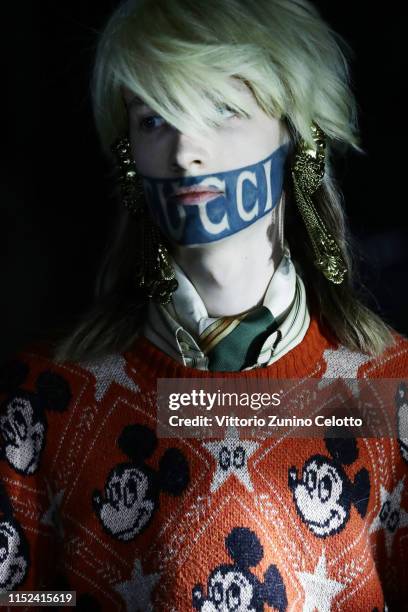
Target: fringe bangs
187 94
176 56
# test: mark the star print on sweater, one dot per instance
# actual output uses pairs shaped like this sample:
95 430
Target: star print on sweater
107 371
52 515
231 455
137 592
343 363
392 516
319 588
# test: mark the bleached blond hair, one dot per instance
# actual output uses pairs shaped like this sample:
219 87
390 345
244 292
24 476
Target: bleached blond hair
177 56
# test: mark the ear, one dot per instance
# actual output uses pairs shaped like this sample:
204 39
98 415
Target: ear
343 450
54 391
361 491
12 375
174 473
244 547
273 589
138 442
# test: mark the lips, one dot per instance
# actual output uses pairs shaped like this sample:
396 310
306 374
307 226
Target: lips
195 195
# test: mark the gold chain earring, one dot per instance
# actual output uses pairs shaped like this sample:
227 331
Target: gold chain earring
307 175
154 272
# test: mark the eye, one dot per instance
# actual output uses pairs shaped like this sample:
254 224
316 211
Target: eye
325 488
118 491
311 480
113 492
217 592
8 431
226 112
233 596
20 424
151 122
130 493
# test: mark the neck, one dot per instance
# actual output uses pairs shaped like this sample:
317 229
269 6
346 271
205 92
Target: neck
232 275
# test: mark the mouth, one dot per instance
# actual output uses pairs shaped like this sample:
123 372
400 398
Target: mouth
326 523
194 195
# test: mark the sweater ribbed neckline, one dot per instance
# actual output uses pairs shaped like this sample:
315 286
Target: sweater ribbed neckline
301 361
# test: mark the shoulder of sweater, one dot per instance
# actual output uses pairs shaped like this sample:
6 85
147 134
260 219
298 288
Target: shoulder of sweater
339 361
60 386
392 363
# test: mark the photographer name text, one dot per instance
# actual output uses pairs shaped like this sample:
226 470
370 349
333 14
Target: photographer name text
269 421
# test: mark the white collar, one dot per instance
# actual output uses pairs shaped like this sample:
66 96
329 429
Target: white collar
174 327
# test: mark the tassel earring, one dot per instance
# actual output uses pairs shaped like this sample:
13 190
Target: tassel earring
307 175
154 272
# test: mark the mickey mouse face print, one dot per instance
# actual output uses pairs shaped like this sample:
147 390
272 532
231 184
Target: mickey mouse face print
23 435
233 587
229 590
23 421
125 509
132 490
319 496
324 494
14 550
13 555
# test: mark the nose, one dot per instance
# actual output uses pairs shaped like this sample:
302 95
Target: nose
189 154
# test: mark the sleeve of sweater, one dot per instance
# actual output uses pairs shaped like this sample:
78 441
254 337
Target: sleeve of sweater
30 533
393 516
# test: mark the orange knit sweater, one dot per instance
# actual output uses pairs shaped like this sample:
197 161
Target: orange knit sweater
92 501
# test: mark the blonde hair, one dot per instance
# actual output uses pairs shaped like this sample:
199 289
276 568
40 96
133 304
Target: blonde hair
176 56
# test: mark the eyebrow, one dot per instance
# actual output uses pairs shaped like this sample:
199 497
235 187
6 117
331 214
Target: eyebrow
135 102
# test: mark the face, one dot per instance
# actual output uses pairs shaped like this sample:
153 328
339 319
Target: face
203 188
228 592
23 435
13 565
318 497
125 511
402 404
161 151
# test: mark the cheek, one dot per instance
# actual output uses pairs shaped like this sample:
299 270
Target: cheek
263 141
246 143
150 153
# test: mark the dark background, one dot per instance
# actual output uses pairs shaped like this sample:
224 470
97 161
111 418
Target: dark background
56 207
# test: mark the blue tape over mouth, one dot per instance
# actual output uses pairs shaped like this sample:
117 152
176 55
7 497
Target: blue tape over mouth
249 193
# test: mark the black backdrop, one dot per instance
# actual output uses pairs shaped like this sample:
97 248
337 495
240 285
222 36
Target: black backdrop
55 204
